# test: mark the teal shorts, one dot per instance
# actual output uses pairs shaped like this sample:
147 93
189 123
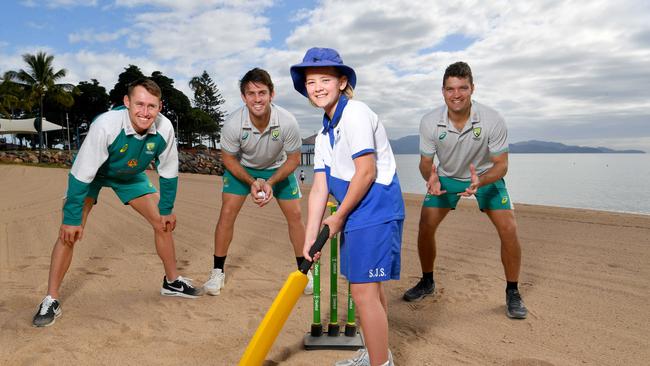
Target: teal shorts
287 189
125 189
493 196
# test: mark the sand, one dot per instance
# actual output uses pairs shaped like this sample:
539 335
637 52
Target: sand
585 279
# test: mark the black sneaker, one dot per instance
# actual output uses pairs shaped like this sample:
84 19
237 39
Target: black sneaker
515 308
47 312
180 287
419 291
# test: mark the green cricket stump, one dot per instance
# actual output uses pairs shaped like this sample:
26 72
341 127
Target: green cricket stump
350 338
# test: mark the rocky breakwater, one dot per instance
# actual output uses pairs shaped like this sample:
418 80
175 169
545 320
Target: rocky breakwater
190 161
56 157
200 162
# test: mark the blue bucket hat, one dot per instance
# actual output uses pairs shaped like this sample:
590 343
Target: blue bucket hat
320 57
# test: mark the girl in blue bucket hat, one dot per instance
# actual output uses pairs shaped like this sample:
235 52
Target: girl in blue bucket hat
354 162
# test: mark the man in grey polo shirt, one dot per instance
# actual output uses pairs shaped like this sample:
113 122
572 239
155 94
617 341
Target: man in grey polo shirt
260 145
470 140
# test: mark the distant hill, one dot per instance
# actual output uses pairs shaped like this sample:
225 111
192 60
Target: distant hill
410 145
534 146
406 145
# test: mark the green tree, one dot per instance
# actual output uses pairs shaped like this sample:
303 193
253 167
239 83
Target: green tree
40 80
129 75
208 99
13 99
200 123
175 104
91 101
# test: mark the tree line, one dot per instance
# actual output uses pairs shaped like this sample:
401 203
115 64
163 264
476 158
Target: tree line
36 91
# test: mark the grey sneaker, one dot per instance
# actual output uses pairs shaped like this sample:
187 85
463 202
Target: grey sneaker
515 308
180 287
419 291
361 358
47 312
215 283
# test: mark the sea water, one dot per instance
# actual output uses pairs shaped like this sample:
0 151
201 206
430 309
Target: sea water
609 182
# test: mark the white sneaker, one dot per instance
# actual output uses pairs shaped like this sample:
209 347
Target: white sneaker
361 358
215 283
309 289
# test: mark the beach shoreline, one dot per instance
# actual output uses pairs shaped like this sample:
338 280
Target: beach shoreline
584 280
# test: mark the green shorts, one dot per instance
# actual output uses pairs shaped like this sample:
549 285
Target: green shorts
287 189
125 189
493 196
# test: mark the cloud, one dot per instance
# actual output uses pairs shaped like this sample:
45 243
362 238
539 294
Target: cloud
557 70
210 34
197 5
105 67
544 61
59 3
90 36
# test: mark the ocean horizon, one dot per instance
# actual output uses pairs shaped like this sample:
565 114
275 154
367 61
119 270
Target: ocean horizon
606 182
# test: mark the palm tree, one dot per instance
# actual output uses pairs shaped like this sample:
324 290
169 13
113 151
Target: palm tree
12 97
40 79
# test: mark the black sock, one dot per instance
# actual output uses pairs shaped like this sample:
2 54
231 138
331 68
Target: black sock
219 261
511 286
428 276
299 260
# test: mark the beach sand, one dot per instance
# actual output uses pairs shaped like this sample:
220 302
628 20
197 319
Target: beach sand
585 279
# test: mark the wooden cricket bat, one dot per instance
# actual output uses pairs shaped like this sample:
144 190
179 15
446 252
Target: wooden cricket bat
279 311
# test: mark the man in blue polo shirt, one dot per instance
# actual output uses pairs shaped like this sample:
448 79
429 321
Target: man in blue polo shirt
470 141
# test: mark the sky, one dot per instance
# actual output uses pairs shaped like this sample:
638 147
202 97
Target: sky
564 71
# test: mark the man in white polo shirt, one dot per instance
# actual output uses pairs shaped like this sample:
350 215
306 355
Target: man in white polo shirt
260 145
470 140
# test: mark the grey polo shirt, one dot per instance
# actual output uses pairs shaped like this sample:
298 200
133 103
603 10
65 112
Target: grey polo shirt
261 150
484 135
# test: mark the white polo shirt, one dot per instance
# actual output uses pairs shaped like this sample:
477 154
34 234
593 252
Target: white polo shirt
359 132
261 150
484 135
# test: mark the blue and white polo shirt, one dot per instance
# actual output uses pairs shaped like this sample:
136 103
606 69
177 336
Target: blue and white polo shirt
357 133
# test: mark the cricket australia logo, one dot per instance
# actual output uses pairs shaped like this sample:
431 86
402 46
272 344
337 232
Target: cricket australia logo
275 134
150 146
124 148
442 135
477 132
132 163
244 136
